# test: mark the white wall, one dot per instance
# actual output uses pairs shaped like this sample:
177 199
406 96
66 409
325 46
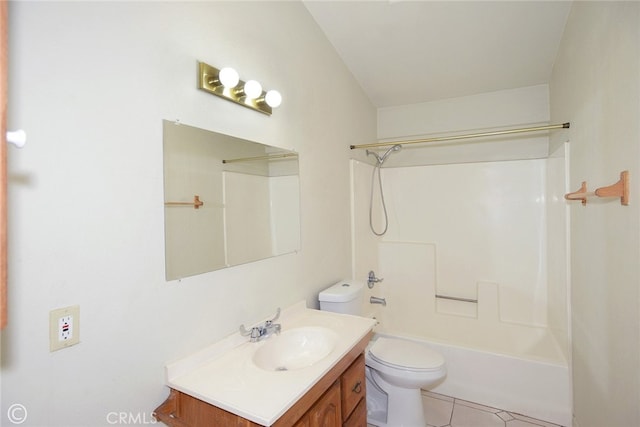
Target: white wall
509 107
596 85
91 83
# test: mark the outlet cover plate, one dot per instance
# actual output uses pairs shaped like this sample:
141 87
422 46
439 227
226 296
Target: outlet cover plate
64 327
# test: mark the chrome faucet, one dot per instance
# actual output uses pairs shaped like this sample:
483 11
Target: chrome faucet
258 333
376 300
372 279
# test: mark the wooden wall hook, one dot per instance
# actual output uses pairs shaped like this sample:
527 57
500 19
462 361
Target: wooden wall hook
581 194
619 189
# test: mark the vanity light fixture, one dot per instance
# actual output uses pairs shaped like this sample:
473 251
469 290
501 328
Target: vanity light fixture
226 84
273 98
252 89
228 77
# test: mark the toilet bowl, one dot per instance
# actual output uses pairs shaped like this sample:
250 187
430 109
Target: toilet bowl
396 369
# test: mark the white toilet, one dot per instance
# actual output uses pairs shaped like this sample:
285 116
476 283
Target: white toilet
396 369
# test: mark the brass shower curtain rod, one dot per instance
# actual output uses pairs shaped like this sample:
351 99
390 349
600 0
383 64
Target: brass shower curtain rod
269 157
464 136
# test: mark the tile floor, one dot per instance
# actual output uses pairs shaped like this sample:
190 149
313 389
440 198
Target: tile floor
445 411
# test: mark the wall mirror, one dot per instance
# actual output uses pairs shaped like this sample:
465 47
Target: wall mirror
228 201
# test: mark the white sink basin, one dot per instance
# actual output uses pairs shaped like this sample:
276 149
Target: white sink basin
295 349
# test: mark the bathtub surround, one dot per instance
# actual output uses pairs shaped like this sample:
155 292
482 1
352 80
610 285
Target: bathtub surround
474 223
518 367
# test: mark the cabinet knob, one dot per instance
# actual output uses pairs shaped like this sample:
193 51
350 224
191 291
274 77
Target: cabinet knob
17 138
357 388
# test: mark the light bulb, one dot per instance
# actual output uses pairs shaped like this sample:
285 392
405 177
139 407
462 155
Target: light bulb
273 98
252 89
228 77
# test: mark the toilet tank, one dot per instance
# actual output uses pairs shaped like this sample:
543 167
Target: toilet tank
343 297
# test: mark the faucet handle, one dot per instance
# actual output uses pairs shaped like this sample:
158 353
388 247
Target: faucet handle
256 333
269 322
244 332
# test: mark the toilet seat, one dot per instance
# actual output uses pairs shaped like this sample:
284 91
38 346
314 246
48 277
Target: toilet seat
405 355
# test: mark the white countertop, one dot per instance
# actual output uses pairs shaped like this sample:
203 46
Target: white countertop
224 375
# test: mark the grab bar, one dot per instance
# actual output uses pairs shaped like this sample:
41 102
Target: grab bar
475 301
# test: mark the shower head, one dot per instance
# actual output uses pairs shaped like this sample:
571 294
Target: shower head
386 154
378 159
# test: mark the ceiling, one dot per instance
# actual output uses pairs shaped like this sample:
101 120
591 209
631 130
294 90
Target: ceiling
406 52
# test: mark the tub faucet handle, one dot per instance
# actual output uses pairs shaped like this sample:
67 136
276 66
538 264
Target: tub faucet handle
373 279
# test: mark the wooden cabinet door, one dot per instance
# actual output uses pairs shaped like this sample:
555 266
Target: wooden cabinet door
358 417
326 412
353 385
302 422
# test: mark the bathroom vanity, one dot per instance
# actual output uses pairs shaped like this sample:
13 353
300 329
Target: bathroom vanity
241 383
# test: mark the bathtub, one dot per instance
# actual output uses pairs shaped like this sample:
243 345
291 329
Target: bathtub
448 238
511 366
515 364
536 385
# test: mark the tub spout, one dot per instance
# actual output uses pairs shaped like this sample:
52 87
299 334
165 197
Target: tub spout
376 300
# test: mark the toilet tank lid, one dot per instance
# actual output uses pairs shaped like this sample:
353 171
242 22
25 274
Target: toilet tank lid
342 291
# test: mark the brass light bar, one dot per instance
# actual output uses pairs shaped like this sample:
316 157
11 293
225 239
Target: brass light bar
209 81
465 136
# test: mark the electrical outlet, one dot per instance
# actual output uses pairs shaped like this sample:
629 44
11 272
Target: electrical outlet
64 327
